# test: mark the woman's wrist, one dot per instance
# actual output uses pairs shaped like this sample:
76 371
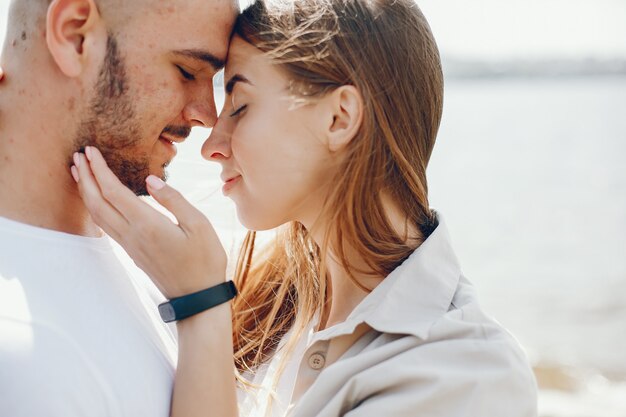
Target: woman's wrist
190 285
216 318
189 305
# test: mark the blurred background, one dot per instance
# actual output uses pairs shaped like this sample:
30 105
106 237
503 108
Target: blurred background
529 174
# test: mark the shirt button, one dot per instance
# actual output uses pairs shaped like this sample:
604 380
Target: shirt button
317 361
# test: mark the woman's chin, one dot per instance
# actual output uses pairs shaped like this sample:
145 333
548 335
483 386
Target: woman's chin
256 222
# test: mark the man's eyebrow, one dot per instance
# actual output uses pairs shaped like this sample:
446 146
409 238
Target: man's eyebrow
203 56
237 78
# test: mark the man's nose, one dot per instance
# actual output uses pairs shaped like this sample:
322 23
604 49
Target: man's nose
201 111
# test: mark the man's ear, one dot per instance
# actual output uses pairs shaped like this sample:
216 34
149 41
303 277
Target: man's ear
345 117
72 26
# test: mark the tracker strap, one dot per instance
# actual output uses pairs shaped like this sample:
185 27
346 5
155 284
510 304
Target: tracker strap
180 308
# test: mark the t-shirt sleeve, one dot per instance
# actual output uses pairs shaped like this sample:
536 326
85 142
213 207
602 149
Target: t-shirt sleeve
451 379
43 373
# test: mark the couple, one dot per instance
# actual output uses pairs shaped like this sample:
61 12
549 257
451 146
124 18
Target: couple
357 308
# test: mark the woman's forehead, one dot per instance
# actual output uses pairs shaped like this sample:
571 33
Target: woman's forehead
247 61
241 53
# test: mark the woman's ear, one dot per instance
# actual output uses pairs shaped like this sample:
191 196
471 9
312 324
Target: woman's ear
345 116
71 29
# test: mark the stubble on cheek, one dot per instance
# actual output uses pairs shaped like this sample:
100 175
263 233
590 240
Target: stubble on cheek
111 124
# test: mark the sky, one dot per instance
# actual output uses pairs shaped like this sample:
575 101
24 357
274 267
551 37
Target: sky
528 28
503 29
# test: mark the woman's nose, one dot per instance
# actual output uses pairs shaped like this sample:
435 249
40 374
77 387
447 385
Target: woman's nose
217 145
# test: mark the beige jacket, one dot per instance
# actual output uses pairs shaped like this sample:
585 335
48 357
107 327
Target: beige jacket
418 345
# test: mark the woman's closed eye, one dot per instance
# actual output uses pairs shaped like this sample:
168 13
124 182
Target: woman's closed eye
239 110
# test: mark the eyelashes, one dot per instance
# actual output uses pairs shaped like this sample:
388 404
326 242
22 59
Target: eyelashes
186 75
239 111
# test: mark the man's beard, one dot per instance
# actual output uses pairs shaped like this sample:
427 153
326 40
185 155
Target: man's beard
110 124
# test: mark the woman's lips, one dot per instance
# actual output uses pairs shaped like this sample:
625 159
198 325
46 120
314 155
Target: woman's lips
230 183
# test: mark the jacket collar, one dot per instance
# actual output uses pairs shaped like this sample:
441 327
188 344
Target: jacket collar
413 296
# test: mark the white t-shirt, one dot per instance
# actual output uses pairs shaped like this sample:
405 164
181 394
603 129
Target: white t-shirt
80 334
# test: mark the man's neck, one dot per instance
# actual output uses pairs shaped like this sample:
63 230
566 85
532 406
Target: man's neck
36 186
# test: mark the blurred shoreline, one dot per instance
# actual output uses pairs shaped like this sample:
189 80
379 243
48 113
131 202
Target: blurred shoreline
464 69
575 392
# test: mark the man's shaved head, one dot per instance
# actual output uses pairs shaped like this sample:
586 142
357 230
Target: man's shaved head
27 18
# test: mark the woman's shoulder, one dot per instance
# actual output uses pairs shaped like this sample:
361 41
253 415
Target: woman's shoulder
466 364
466 321
456 371
473 338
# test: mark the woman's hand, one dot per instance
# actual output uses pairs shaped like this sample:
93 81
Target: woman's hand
180 258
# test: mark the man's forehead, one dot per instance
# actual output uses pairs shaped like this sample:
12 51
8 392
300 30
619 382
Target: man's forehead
207 12
198 29
171 5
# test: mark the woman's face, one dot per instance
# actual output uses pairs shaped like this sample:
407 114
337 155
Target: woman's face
276 163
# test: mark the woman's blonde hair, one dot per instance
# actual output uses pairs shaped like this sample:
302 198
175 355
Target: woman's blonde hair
385 49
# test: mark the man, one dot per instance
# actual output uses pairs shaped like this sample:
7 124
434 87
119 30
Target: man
78 335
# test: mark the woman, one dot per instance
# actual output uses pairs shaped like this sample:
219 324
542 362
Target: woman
358 307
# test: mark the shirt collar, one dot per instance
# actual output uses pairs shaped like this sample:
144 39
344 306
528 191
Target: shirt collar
413 296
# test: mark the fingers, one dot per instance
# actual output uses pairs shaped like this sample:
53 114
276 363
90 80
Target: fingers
189 218
135 211
103 213
112 189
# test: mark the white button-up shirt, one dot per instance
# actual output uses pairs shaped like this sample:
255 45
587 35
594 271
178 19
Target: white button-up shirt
418 345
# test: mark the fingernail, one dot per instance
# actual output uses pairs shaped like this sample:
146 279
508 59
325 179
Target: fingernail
154 182
88 152
74 173
76 159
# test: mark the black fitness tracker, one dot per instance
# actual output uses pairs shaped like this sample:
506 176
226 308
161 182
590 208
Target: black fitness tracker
188 305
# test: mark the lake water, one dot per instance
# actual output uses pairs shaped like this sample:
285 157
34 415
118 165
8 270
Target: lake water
530 176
